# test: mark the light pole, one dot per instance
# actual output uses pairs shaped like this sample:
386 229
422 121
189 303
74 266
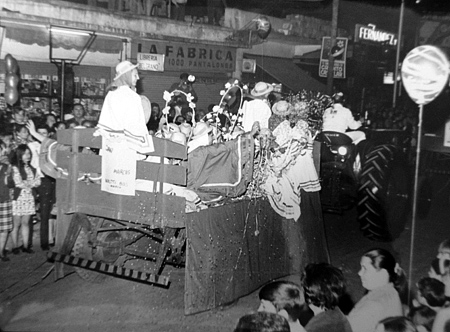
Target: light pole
334 24
397 57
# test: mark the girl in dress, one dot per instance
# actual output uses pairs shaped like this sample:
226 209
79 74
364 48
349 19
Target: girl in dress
24 206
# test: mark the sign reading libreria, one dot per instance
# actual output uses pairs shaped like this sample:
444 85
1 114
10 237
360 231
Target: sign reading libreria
193 57
370 33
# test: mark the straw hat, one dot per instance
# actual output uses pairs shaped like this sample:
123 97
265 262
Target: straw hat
261 88
200 129
123 67
282 108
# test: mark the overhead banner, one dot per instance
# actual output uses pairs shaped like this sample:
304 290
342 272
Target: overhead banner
150 62
339 52
182 57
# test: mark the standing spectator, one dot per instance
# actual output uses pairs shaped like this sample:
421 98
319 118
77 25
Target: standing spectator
324 285
186 85
25 181
50 121
216 10
382 277
19 116
178 10
21 135
6 219
78 113
46 189
153 122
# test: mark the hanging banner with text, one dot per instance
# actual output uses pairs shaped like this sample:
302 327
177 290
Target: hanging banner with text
150 62
181 57
339 52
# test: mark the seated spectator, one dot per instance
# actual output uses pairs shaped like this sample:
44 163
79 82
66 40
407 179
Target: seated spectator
324 285
284 298
381 277
396 324
262 322
430 293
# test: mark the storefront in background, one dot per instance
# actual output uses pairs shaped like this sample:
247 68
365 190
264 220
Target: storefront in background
211 65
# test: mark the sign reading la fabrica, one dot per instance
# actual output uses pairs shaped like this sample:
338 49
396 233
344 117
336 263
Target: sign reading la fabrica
192 57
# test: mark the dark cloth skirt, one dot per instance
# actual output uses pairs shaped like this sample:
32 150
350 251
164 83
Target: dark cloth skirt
6 222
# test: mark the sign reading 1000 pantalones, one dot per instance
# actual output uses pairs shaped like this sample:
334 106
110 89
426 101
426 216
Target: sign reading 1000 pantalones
193 57
339 53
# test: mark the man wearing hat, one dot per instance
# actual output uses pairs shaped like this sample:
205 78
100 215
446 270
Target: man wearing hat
257 109
123 110
185 85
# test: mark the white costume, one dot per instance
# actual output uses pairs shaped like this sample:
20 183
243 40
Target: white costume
256 110
338 118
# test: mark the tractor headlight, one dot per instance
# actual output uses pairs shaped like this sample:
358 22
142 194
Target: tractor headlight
342 150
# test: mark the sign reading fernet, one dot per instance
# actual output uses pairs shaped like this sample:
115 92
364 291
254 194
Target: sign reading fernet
370 33
182 57
150 62
339 53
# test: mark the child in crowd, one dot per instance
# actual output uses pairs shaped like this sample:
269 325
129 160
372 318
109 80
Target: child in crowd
430 298
324 285
430 293
23 205
283 298
6 221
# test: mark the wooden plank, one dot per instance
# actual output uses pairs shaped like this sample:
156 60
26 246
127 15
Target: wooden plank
163 147
152 209
91 164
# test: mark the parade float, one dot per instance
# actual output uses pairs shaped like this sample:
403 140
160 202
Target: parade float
246 230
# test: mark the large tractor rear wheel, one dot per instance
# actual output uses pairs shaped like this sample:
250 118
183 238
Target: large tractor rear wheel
383 194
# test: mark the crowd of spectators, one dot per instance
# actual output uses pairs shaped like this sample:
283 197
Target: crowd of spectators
314 305
27 194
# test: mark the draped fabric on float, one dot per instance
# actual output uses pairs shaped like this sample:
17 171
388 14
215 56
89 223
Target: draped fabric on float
234 249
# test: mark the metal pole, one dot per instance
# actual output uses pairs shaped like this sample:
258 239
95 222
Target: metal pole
397 57
63 78
334 23
415 194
